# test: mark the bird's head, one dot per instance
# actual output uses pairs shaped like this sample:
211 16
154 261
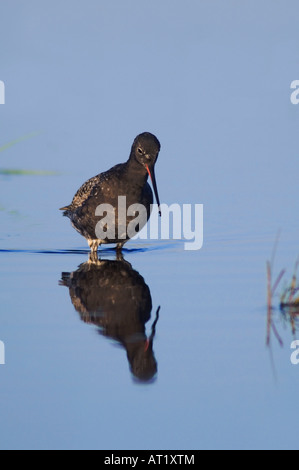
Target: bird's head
145 150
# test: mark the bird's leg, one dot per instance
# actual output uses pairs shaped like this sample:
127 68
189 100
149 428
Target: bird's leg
94 245
119 255
119 247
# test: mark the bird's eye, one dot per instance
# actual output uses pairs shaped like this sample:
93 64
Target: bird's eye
139 150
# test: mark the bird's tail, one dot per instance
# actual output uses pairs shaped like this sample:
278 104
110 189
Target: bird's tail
66 210
65 280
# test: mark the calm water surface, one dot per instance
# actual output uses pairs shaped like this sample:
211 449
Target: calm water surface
165 349
92 363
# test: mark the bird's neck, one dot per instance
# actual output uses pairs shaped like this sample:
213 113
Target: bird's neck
136 171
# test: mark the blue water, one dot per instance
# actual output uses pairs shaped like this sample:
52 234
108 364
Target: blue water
196 373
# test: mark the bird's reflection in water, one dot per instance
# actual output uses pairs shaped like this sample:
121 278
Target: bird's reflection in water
113 296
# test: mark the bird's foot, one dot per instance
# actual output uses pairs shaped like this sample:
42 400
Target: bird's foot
119 254
94 245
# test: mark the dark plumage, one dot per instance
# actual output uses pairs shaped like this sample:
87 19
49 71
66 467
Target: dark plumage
115 298
126 179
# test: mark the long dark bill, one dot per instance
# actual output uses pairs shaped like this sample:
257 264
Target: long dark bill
153 179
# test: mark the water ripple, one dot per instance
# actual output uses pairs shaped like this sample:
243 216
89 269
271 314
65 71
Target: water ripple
142 248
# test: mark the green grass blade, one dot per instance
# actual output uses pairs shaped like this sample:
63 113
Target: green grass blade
17 141
16 172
